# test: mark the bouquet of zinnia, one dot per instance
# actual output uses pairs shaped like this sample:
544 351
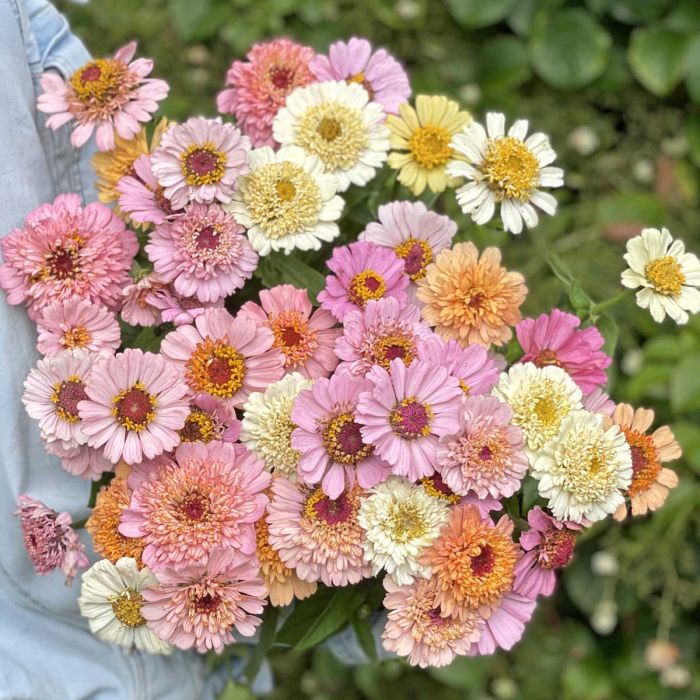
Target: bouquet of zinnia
394 442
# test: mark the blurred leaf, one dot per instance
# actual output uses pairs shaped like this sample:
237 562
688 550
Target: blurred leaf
266 638
684 391
569 48
464 673
584 589
503 64
363 630
609 330
692 78
187 16
277 268
636 11
633 207
662 348
587 680
657 57
147 340
688 435
578 298
233 691
561 270
684 17
477 13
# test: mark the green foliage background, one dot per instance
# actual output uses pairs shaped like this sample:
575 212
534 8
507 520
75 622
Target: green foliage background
617 85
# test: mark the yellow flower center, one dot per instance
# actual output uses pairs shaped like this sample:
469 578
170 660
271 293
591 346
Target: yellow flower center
430 146
127 608
366 285
285 190
199 427
511 168
329 129
416 255
134 407
77 337
343 440
666 276
98 81
361 79
202 164
392 347
216 368
405 522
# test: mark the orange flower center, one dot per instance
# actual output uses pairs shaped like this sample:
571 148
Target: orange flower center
77 337
546 358
646 464
666 276
293 337
216 368
199 427
99 81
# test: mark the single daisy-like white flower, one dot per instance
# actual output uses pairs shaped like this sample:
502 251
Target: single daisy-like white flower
110 599
287 201
504 168
336 121
400 520
586 470
267 424
667 275
540 398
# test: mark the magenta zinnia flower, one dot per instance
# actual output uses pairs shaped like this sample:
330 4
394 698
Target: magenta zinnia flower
203 252
202 605
555 339
136 403
64 251
224 356
363 271
317 536
327 436
486 456
378 72
106 94
140 195
257 88
209 495
306 339
49 539
406 411
200 161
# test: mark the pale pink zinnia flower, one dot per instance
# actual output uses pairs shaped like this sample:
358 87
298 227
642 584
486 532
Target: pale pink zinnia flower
202 604
224 356
317 536
140 195
406 411
209 420
202 252
209 495
378 72
64 251
81 460
257 88
49 539
136 403
362 271
379 333
306 339
77 323
176 309
555 339
486 456
106 94
137 309
598 402
327 436
200 161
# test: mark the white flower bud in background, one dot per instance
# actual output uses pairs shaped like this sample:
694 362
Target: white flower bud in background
584 140
660 655
407 9
632 362
675 677
643 171
676 147
470 93
604 618
198 55
504 688
604 564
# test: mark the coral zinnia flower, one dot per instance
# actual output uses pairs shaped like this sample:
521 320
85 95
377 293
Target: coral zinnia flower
64 251
257 88
421 139
137 309
650 481
210 495
201 605
224 356
317 536
470 298
107 94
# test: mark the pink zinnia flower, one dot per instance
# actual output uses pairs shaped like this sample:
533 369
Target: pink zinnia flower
200 161
106 94
597 401
363 271
136 403
417 629
327 436
258 87
81 460
64 251
210 420
306 339
379 333
137 309
176 309
505 626
473 366
209 495
224 356
555 339
140 195
486 456
378 72
549 545
406 411
201 605
49 539
317 536
203 253
77 324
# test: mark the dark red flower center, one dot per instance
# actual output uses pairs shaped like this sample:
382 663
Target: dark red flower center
91 73
62 264
207 604
202 161
281 77
414 259
556 548
194 507
350 439
546 358
134 408
393 352
69 394
436 619
207 238
333 511
410 419
290 336
482 564
219 370
485 453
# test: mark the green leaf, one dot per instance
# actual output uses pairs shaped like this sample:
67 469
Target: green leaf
268 629
503 64
684 17
609 330
363 631
233 691
578 298
692 78
688 435
561 270
636 11
657 57
569 48
96 487
633 207
477 13
692 132
684 389
187 16
277 268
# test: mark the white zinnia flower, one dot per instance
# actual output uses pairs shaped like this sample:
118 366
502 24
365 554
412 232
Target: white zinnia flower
540 398
267 424
508 169
286 201
336 121
400 520
584 472
667 274
110 599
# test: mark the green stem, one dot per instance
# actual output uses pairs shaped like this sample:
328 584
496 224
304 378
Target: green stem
597 309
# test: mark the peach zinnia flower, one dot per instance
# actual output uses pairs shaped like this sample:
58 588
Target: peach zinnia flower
650 481
470 298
